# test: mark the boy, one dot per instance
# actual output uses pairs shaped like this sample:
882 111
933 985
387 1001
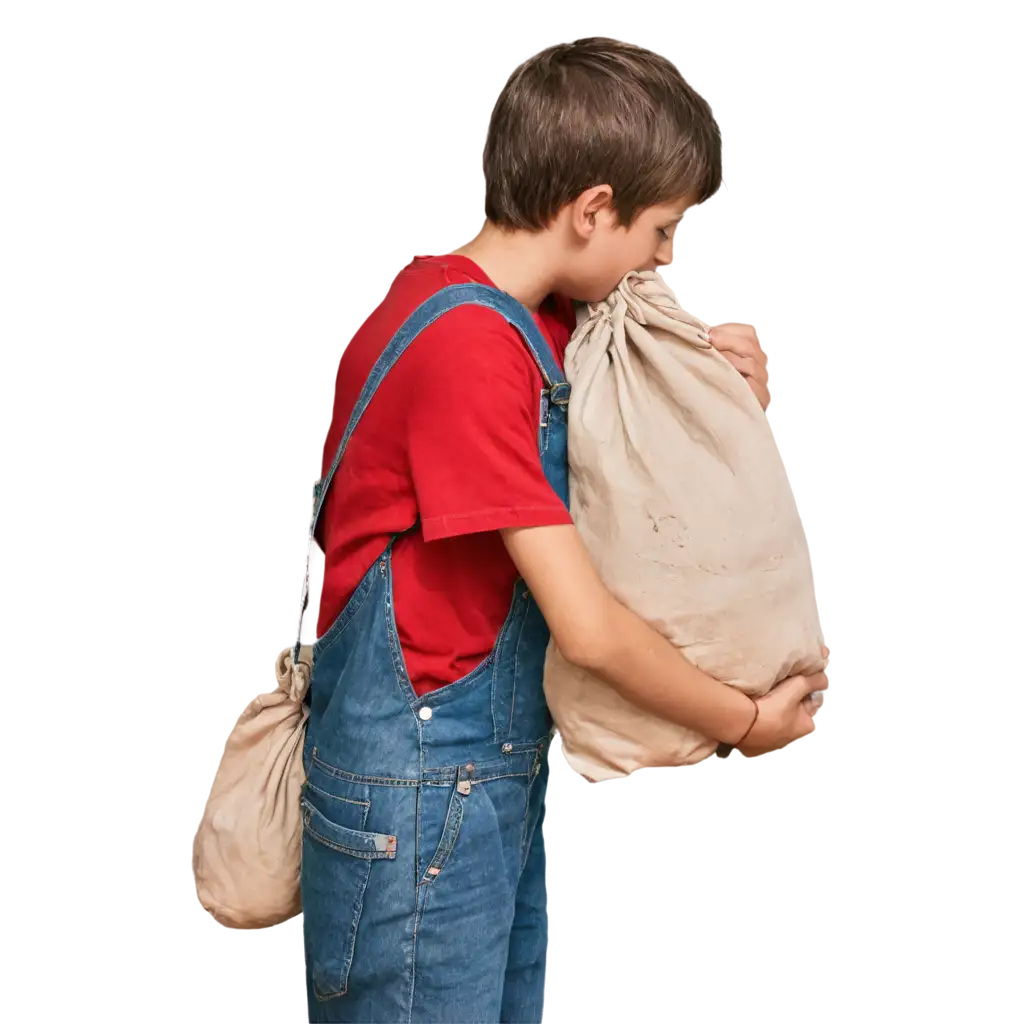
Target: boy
450 554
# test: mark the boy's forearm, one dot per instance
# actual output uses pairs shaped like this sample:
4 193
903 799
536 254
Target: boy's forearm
595 631
650 672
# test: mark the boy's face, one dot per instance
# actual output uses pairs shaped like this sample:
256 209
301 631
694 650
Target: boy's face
610 251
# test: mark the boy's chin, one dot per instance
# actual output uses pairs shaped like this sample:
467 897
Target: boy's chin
596 292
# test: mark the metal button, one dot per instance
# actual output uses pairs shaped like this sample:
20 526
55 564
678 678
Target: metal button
426 714
506 748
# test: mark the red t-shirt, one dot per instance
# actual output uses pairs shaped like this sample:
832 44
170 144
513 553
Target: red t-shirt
449 444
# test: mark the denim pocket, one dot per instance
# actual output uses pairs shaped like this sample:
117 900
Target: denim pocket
336 862
449 833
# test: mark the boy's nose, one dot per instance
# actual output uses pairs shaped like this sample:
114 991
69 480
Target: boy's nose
663 257
656 263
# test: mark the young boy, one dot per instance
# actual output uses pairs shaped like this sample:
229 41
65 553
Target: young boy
450 554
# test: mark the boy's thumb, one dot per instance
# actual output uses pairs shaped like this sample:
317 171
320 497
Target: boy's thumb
798 687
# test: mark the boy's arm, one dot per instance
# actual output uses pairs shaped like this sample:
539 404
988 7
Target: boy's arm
476 468
595 631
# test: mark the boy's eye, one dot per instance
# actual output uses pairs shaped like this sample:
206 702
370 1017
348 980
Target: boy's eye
663 233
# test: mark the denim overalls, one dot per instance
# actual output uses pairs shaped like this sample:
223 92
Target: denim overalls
422 852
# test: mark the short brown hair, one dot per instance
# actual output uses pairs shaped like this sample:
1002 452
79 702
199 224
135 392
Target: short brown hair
597 112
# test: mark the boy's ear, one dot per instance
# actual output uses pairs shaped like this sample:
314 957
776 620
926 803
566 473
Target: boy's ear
588 208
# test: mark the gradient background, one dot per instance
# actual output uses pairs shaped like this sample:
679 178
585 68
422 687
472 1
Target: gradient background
193 207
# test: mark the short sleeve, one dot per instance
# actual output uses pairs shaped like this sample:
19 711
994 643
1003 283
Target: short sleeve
472 428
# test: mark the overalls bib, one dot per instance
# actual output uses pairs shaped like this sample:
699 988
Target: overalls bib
422 852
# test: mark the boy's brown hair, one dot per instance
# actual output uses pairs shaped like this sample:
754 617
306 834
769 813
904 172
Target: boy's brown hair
597 112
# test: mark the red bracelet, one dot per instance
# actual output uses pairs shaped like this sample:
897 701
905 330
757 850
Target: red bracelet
754 722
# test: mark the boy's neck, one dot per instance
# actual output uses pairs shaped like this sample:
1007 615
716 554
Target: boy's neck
522 263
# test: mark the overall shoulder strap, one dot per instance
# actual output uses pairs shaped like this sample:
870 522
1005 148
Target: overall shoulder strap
514 312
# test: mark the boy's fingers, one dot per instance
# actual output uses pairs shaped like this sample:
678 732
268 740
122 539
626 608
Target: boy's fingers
743 330
761 392
819 681
747 366
741 346
806 726
803 685
824 651
788 690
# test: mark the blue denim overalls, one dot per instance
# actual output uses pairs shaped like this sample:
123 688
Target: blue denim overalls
422 852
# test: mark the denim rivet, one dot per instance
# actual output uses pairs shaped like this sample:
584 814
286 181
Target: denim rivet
506 748
426 714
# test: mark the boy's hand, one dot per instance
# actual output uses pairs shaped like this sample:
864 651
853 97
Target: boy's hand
784 714
739 344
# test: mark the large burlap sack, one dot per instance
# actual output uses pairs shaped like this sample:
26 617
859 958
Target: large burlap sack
679 494
248 849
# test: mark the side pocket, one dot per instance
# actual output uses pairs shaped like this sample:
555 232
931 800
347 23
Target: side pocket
336 863
452 823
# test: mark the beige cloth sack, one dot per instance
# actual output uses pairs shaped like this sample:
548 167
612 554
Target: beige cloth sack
248 849
681 499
